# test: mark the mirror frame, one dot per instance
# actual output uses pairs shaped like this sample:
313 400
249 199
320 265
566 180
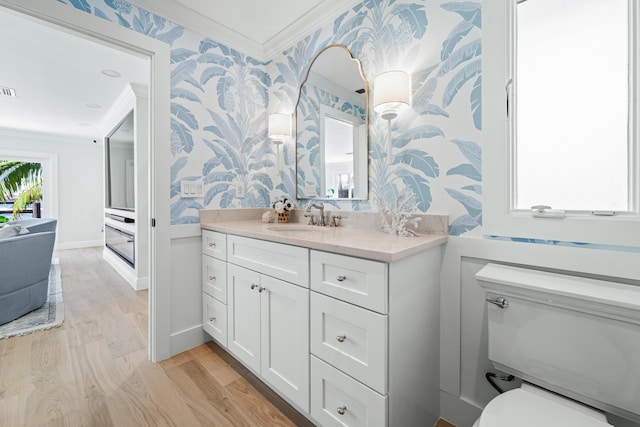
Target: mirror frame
366 123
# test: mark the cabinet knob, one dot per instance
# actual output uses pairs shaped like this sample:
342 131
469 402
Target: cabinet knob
341 409
253 286
341 278
212 245
212 277
212 319
341 338
260 289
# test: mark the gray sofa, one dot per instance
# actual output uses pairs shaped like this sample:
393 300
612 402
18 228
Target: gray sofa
25 261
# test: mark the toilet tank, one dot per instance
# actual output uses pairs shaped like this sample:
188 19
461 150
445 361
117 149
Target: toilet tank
576 336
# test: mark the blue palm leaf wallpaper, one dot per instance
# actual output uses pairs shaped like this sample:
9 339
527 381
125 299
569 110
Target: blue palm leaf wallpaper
221 98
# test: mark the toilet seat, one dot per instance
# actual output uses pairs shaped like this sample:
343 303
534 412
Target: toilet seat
530 406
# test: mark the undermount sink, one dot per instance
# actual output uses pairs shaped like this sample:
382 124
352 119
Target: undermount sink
297 228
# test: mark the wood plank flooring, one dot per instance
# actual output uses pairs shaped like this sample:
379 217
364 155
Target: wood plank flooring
93 370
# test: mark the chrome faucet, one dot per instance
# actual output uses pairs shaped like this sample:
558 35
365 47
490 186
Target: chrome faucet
321 221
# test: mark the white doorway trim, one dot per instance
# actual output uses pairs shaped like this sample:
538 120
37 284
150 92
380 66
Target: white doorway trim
100 30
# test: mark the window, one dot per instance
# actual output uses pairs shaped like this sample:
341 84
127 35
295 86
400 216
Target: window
567 135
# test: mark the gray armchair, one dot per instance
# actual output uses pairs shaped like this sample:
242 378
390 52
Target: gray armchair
25 261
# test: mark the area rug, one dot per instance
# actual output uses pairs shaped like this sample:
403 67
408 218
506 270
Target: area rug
50 315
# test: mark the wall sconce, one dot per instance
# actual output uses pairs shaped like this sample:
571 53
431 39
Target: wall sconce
279 129
391 92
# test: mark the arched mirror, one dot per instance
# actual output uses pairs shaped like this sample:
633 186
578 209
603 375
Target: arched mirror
332 128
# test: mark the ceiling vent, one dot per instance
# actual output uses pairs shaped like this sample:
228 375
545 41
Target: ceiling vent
7 91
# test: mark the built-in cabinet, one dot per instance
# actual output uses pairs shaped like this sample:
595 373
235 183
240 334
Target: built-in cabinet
126 212
349 341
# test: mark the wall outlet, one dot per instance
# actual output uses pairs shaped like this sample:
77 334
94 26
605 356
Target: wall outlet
309 190
240 191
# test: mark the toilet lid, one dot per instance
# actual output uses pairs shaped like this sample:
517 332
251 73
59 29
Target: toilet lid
524 409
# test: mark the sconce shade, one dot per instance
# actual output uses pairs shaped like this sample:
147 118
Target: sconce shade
279 126
391 92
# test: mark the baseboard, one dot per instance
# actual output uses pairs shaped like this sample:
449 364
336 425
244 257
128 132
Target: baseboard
125 271
458 411
80 245
188 339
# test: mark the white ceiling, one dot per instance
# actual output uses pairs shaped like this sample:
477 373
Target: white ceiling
57 75
58 78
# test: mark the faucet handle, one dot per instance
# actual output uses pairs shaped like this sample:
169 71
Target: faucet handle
310 216
335 220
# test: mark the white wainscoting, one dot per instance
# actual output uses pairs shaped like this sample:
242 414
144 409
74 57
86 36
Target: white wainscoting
463 336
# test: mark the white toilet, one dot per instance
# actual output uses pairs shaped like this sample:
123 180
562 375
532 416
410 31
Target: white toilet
575 342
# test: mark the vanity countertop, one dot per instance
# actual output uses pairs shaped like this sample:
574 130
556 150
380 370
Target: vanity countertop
359 242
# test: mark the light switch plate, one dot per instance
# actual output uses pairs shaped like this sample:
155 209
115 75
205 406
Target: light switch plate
191 188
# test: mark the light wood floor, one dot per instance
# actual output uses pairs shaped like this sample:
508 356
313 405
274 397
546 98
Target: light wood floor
93 370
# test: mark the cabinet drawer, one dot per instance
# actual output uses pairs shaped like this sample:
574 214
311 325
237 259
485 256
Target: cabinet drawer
358 281
338 400
214 244
214 320
214 278
350 338
284 262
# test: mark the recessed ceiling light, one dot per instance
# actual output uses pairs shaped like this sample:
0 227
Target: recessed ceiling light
93 105
111 73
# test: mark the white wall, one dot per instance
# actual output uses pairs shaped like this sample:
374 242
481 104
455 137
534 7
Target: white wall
80 192
463 335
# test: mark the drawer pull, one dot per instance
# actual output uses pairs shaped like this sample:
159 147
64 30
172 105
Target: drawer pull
341 338
341 278
212 245
212 319
260 289
212 277
253 286
341 409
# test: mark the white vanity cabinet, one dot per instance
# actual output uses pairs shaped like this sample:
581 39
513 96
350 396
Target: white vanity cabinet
268 318
214 285
349 341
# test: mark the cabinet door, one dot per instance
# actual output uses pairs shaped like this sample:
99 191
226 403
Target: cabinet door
358 281
286 262
339 400
214 244
214 278
350 338
243 307
285 339
214 320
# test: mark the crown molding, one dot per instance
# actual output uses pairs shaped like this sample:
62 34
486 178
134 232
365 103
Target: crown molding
316 18
203 25
306 25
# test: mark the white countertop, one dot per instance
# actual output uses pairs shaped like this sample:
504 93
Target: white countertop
359 242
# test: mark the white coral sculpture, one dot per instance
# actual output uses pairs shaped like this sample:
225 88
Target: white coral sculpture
394 220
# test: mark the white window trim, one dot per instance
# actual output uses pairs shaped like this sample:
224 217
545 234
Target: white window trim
498 216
